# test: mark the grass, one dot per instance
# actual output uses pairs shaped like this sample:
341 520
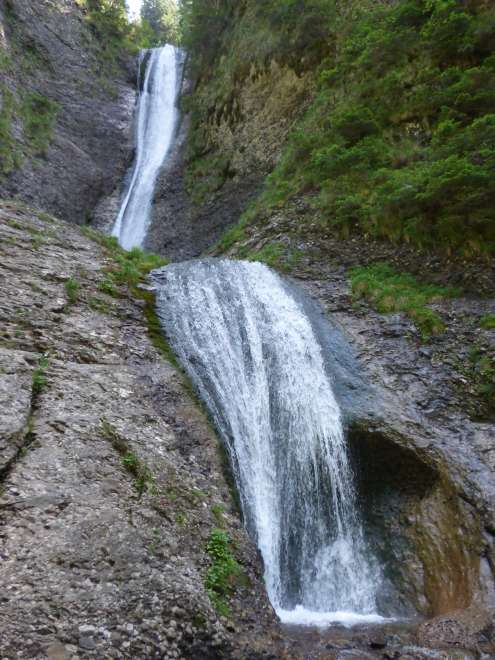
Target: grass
143 477
98 304
72 287
218 510
224 572
235 234
487 322
129 268
39 377
10 155
390 291
39 114
107 285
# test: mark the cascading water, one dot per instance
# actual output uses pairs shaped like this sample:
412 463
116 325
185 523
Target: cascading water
155 128
251 351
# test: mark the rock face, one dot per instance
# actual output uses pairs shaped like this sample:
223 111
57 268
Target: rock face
112 479
52 60
424 465
231 153
112 483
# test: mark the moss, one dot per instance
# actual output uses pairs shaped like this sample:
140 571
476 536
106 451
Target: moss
39 114
479 370
487 322
390 292
10 153
100 305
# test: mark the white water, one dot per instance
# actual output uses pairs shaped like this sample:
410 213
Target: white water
251 351
155 128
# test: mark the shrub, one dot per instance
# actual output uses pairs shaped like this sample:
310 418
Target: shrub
224 571
399 141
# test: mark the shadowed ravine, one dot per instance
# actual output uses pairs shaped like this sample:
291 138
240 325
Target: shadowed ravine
252 353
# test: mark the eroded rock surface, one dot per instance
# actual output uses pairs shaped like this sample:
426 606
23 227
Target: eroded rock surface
52 55
112 483
98 558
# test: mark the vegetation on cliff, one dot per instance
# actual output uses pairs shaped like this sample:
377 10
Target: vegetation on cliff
399 140
116 35
162 17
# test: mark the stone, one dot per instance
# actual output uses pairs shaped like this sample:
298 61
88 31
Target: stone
87 643
91 144
76 536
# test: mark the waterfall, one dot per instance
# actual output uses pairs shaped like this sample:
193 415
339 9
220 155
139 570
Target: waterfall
251 351
155 128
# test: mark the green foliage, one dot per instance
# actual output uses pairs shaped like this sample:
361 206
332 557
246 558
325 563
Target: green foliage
224 572
488 322
389 291
479 368
163 18
39 114
270 254
234 235
129 267
99 305
144 478
107 285
10 155
201 24
72 287
205 176
218 510
133 266
116 36
399 141
39 378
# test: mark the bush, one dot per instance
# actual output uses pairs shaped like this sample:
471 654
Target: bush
399 141
224 572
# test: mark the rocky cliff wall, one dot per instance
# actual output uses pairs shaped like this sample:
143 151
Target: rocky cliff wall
111 479
113 486
230 139
66 110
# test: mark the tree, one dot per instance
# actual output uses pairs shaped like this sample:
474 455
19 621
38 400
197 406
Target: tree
162 17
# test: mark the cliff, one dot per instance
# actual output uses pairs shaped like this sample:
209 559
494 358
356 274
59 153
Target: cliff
112 481
66 107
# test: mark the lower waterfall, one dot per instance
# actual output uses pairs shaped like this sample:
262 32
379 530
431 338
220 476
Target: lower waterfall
251 351
155 128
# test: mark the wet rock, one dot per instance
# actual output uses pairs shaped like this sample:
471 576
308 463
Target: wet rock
470 628
56 54
88 557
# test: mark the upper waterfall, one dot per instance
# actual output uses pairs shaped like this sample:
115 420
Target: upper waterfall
251 350
155 128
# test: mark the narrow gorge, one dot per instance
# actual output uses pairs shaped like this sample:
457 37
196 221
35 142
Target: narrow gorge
246 396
